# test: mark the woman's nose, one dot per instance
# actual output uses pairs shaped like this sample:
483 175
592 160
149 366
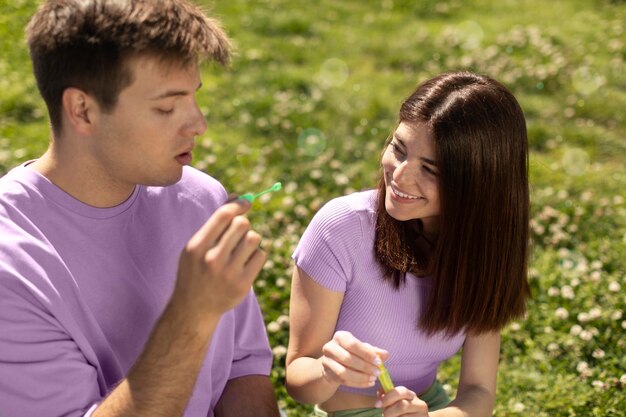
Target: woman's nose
404 173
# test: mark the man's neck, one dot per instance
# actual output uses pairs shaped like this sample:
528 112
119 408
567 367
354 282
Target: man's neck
81 179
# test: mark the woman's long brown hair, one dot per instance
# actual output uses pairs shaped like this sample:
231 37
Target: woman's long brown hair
479 260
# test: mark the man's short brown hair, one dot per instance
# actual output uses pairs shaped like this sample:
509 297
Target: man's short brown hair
87 43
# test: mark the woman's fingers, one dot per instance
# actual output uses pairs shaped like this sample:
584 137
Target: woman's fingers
401 401
350 361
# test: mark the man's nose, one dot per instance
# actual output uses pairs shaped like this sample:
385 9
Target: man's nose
197 124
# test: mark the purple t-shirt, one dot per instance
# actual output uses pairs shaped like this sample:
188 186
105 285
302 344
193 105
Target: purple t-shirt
337 251
82 287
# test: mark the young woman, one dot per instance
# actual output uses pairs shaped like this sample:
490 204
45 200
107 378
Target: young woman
432 261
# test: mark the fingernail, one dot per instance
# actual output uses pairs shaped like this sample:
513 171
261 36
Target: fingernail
378 404
377 361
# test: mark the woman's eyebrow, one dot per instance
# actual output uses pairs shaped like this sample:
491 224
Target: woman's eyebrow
423 158
399 140
429 161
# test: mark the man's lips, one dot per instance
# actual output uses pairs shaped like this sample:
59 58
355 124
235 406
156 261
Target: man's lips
184 158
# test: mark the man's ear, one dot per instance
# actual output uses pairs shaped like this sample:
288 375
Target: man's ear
79 110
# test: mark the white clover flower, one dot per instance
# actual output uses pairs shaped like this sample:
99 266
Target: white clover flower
283 320
563 253
342 179
561 313
596 265
281 282
583 317
316 174
622 379
595 276
598 384
288 201
575 282
567 292
301 211
575 330
515 326
586 335
616 315
279 351
553 347
553 292
548 330
595 313
260 283
582 366
518 407
273 327
582 266
614 286
598 353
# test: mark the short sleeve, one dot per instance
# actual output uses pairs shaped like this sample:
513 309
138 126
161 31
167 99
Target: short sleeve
42 370
328 247
252 353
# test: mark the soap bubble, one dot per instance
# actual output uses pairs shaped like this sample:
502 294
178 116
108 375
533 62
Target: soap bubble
312 141
470 34
333 73
586 81
575 161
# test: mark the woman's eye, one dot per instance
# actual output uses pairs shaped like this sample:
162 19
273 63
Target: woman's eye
429 170
396 148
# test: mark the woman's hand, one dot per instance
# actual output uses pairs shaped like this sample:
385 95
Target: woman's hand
401 401
348 361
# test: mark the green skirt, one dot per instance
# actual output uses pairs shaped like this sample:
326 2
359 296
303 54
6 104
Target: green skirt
436 398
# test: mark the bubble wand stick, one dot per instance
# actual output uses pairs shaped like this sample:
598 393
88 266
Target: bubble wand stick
251 196
384 378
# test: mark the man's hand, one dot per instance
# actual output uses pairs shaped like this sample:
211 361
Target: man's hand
219 263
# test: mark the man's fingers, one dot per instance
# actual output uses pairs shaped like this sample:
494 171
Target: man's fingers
255 263
246 247
213 229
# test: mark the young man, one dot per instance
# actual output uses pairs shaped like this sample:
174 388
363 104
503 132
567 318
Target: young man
125 279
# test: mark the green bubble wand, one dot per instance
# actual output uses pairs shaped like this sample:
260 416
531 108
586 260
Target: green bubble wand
384 378
251 196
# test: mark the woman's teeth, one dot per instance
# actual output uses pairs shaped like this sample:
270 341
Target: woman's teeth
401 194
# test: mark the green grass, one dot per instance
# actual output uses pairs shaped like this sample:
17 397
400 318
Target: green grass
312 94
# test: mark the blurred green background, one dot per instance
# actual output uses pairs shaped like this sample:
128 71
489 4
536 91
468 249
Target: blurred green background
314 90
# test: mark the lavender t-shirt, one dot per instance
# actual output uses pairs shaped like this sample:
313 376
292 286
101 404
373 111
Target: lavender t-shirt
337 251
82 287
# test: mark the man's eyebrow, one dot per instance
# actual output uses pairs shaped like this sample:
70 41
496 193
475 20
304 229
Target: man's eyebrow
173 93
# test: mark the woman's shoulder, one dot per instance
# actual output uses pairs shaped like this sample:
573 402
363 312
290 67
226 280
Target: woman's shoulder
362 202
350 216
